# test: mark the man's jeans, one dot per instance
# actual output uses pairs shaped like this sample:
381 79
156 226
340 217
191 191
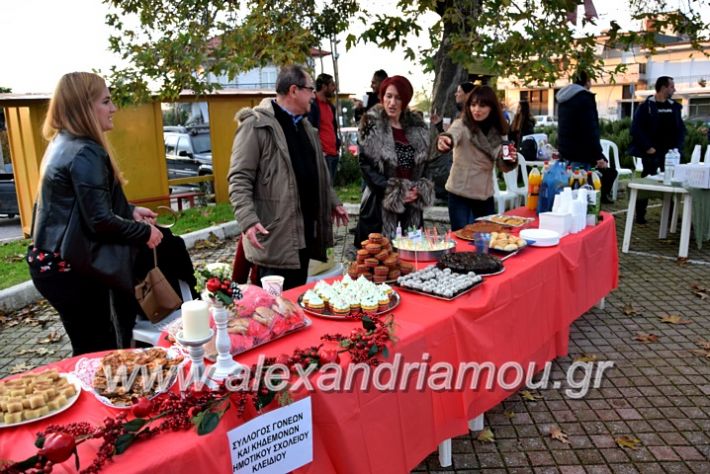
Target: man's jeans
651 163
332 162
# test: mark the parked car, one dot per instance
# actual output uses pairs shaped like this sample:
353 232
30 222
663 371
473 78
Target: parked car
545 121
349 137
8 194
188 151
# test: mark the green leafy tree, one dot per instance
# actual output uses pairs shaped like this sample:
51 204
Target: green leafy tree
178 44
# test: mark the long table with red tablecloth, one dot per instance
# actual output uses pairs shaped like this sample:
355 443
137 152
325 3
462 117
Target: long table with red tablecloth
522 315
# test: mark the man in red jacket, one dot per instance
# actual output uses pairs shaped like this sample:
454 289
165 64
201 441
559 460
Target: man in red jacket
322 117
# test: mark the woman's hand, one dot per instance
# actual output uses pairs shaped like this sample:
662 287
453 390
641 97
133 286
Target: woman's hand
143 214
513 155
411 196
155 237
443 143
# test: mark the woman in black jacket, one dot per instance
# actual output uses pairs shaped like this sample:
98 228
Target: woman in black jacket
80 206
523 123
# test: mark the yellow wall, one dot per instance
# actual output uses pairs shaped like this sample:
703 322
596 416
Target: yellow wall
222 129
136 142
24 127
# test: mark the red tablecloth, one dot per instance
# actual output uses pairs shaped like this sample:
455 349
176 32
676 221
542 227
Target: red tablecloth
521 315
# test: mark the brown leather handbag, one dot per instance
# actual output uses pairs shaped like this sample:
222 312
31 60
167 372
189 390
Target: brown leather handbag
155 295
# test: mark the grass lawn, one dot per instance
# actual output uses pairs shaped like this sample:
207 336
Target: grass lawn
13 269
349 193
197 218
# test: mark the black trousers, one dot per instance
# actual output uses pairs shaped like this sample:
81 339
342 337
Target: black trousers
292 277
651 163
84 306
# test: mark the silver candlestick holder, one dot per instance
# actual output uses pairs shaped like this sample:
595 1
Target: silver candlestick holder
197 354
225 365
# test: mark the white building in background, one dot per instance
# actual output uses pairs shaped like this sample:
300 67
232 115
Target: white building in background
263 78
676 58
259 78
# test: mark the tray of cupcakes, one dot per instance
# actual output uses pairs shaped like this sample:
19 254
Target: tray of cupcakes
349 298
378 262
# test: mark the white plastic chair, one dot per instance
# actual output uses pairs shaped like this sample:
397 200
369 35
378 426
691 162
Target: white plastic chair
610 148
502 197
149 333
695 156
707 155
511 181
638 164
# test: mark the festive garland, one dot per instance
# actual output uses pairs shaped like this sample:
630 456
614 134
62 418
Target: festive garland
202 409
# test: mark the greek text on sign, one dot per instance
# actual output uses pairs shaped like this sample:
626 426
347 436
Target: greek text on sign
276 442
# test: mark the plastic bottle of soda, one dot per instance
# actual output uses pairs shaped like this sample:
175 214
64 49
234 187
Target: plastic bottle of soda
596 180
534 181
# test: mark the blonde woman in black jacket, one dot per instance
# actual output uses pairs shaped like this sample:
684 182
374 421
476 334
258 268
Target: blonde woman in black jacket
80 206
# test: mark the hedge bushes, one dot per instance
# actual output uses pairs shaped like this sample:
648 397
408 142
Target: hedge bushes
348 170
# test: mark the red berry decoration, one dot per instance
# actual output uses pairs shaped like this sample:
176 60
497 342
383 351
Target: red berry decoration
213 285
329 355
142 408
58 447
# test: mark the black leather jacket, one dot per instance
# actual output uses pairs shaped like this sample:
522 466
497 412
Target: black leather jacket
79 170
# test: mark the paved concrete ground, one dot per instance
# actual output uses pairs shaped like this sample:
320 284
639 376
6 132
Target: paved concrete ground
658 392
10 228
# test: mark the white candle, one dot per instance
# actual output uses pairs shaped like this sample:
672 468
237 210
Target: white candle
195 320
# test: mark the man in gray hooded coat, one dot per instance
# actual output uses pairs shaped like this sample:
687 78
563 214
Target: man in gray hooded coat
279 183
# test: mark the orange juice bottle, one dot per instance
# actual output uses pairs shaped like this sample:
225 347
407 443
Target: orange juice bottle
596 180
534 181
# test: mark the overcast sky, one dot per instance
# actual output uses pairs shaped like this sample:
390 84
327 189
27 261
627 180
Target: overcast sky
43 39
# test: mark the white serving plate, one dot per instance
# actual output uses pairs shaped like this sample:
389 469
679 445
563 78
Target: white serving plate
541 237
71 378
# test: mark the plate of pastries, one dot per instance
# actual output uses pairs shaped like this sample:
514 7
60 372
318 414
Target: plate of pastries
121 376
36 396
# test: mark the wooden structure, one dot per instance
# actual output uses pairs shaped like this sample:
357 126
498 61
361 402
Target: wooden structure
136 142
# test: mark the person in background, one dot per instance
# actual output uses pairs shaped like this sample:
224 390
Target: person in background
656 128
78 175
394 151
463 91
373 98
578 131
279 184
523 123
322 117
506 113
358 110
476 138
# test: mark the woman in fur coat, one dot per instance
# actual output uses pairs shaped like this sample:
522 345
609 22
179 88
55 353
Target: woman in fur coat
394 151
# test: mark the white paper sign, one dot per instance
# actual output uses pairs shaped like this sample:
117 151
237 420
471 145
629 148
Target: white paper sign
278 441
415 235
